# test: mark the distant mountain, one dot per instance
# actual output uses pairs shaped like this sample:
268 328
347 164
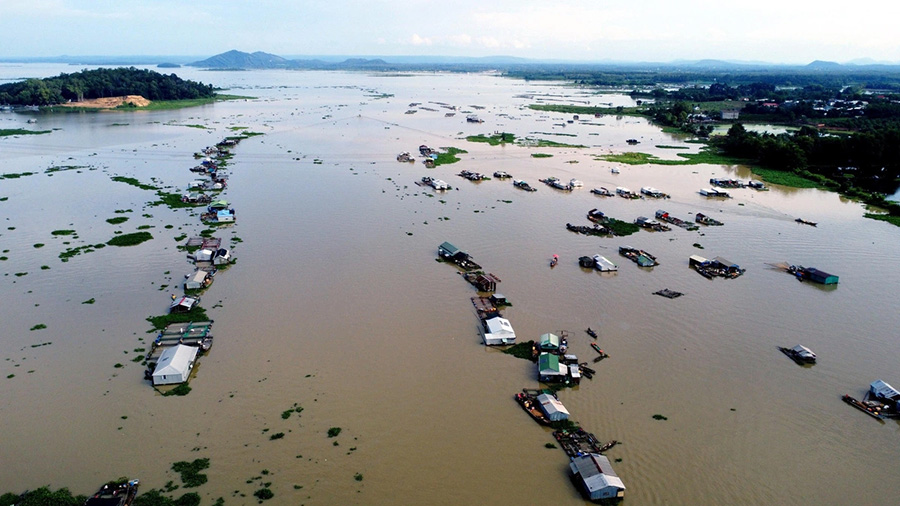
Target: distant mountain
240 60
824 65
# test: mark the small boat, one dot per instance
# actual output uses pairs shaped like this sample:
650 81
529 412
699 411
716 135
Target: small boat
574 183
500 174
614 170
528 403
591 332
870 408
800 354
554 261
114 493
632 141
603 192
599 350
806 222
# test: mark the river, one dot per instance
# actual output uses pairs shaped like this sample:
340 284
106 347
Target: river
337 305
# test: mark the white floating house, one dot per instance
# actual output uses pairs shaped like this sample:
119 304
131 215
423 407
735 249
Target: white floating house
604 264
498 331
595 476
175 365
551 407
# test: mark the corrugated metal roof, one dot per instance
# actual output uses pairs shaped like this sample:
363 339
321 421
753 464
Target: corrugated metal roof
448 248
552 407
881 389
549 363
596 472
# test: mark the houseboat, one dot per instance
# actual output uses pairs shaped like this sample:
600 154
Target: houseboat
500 174
603 192
706 220
626 193
758 186
647 223
640 257
437 184
716 267
520 183
712 192
114 493
678 222
574 183
812 274
800 354
652 192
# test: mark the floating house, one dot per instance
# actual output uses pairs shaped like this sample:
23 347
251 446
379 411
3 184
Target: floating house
550 369
604 264
201 278
225 216
594 475
498 331
881 390
219 256
652 192
184 304
453 254
549 342
498 299
552 408
175 365
813 274
712 192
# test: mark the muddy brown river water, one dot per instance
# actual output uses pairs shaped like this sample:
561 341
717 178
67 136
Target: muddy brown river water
336 304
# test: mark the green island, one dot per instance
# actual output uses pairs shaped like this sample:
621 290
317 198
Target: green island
124 88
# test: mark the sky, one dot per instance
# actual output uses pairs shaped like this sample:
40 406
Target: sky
776 31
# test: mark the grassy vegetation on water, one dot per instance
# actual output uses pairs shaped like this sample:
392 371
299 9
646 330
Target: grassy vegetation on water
133 182
16 175
131 239
197 314
118 220
583 109
190 472
785 178
448 157
544 143
893 220
494 140
5 132
621 228
541 155
706 155
521 350
172 200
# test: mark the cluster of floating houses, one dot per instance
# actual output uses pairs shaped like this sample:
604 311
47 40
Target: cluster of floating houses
174 352
590 469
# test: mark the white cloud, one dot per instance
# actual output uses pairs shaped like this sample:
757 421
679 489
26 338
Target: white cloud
416 40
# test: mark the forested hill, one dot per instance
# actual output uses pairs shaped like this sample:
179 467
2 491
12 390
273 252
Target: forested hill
102 83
